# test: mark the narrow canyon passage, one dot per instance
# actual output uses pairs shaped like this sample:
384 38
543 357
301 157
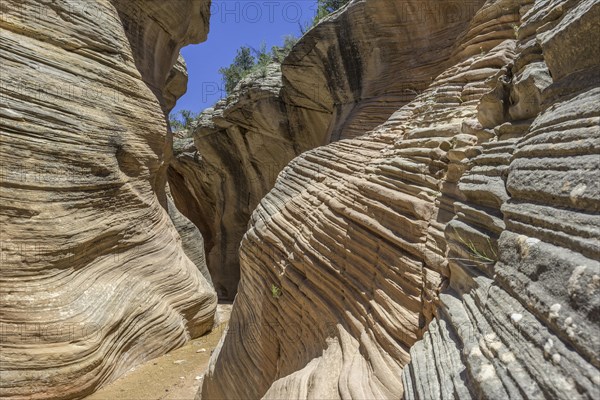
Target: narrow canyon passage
400 203
176 375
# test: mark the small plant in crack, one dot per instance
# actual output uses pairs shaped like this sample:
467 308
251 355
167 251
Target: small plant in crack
479 254
429 104
275 291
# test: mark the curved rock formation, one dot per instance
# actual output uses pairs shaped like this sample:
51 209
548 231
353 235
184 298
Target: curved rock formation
448 253
219 177
346 75
94 276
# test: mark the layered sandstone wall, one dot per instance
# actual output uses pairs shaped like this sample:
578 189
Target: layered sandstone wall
94 279
345 76
452 251
520 316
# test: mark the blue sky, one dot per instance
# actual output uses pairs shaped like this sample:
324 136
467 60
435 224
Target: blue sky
236 23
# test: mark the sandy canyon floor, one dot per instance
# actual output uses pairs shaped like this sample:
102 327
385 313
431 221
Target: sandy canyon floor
175 376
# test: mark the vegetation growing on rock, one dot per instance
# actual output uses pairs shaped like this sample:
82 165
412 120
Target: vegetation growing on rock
182 120
249 60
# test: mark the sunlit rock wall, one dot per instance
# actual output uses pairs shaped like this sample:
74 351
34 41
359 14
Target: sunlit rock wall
94 279
448 253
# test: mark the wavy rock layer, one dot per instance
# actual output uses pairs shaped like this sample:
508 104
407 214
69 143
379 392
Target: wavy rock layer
524 298
449 253
94 276
347 75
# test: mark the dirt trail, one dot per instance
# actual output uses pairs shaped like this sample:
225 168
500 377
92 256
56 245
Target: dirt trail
174 376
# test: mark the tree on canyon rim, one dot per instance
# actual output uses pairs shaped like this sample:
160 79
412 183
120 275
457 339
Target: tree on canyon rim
245 62
249 60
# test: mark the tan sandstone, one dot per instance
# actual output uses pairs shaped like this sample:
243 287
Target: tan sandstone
94 278
451 252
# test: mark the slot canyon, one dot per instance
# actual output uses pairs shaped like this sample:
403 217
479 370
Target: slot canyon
404 206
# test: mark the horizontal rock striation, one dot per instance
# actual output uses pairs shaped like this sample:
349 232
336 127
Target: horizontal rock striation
346 75
448 253
522 309
94 279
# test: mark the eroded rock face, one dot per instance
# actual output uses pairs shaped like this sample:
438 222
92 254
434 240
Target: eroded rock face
176 84
448 253
522 307
94 276
219 177
345 76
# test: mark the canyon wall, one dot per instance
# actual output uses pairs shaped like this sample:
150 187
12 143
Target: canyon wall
347 75
520 318
451 251
220 175
94 279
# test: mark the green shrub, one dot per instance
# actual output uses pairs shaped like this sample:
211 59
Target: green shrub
249 60
240 67
182 120
275 291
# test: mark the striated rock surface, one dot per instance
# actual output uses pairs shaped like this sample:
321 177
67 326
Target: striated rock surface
451 252
94 279
523 304
346 75
220 175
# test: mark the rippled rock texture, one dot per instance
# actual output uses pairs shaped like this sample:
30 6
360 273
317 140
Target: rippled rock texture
345 76
451 252
220 175
94 279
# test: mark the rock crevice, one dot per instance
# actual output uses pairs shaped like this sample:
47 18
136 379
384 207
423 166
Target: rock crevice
345 76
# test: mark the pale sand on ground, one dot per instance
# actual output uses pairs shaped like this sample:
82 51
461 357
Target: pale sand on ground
172 376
